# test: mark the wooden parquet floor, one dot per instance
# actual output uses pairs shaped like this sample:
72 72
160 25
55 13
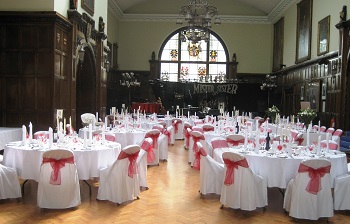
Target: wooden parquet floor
173 197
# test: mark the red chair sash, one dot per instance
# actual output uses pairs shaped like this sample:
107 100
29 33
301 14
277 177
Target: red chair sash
314 185
235 142
205 129
231 165
176 123
195 140
150 153
55 178
197 158
132 169
220 143
154 137
168 134
187 137
110 138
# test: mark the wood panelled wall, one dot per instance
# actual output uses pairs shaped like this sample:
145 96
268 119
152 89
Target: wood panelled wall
33 74
39 67
329 73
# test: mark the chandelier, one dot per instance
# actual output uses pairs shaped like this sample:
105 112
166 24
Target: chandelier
198 14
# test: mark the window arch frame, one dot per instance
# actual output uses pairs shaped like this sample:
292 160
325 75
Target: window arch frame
207 62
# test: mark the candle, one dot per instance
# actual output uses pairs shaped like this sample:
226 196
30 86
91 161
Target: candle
319 145
64 126
70 123
319 125
24 134
30 131
188 114
308 137
50 137
96 116
103 134
90 133
85 136
106 122
58 125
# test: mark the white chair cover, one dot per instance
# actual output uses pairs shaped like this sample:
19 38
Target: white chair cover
9 185
178 128
211 172
154 134
142 161
196 136
302 204
187 135
248 190
116 185
332 145
323 129
330 130
208 127
342 192
41 135
336 135
55 195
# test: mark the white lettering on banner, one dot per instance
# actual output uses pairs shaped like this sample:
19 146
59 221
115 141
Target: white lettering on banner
221 88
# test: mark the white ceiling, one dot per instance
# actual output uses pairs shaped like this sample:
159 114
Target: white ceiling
251 11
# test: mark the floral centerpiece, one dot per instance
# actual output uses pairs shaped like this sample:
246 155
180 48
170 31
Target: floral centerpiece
272 112
307 115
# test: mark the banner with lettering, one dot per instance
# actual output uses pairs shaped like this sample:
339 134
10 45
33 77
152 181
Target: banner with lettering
229 88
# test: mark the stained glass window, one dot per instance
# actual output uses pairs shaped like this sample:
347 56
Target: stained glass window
193 62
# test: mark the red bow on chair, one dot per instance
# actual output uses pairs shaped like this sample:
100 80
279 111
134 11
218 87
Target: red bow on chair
176 123
195 140
168 134
234 142
154 137
231 165
314 185
197 158
187 137
206 129
56 165
132 169
150 153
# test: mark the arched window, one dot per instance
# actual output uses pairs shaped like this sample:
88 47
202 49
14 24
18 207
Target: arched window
202 61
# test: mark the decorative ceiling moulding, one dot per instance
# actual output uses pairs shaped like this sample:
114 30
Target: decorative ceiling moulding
276 13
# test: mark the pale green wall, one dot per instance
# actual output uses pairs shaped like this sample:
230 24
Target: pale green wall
60 6
250 42
321 9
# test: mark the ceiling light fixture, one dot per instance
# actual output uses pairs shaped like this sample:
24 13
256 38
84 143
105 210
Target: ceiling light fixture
199 15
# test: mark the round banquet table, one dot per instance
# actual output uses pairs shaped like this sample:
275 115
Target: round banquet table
27 159
278 170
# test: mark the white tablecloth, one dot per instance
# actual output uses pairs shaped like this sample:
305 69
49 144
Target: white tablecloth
9 135
27 159
278 171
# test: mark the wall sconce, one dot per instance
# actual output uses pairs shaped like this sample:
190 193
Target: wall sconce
81 53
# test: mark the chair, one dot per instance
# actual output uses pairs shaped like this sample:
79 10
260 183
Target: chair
120 182
198 122
187 135
58 185
297 137
235 139
323 129
211 171
197 128
310 197
332 145
242 188
146 154
178 128
41 135
208 127
196 136
336 135
342 192
330 130
108 135
9 185
154 135
315 127
218 142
